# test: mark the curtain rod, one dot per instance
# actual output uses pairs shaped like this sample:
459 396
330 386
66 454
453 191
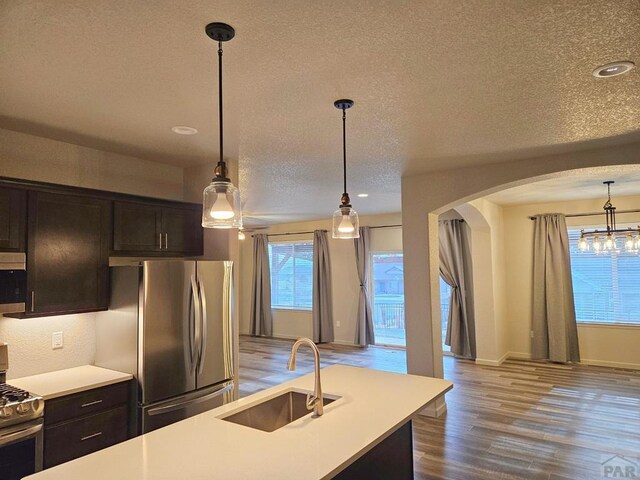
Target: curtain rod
305 233
289 233
386 226
593 214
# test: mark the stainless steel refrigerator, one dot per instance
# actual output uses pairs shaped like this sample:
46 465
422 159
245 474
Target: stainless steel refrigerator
170 325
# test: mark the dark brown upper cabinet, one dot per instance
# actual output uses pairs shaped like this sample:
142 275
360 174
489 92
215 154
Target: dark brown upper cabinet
13 205
67 254
150 229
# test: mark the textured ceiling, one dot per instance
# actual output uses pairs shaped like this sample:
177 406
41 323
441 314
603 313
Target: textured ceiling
582 184
437 84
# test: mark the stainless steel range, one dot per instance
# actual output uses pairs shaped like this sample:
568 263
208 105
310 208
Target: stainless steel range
18 406
21 420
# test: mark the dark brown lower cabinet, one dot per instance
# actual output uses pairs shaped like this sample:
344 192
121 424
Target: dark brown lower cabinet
76 438
391 459
83 423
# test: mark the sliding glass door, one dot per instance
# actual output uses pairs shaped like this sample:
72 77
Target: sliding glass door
445 299
388 298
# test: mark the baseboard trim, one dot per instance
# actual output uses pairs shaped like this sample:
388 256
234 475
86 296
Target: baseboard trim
584 361
604 363
492 363
434 410
520 355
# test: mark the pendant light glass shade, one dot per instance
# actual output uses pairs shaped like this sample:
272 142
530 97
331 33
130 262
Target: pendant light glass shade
221 205
345 223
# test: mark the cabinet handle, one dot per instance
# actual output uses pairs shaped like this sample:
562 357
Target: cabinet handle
90 436
33 300
90 404
166 241
160 236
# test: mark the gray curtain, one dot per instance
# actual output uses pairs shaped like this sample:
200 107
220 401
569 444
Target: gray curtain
364 321
322 301
555 332
261 320
455 269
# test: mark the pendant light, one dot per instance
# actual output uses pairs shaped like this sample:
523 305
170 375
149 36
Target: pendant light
345 219
221 203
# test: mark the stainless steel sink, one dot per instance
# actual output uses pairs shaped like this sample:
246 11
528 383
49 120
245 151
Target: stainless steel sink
276 412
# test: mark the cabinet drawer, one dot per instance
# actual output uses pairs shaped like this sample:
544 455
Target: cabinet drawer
86 403
74 439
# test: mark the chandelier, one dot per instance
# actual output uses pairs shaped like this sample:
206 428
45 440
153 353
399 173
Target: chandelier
607 240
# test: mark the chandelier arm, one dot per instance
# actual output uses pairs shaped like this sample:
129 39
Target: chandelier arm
619 230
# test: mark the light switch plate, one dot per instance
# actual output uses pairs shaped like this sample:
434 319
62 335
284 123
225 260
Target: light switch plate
338 323
57 340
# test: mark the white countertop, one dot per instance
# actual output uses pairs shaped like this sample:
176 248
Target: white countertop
72 380
373 404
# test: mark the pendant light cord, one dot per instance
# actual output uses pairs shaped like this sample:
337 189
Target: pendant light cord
221 160
344 149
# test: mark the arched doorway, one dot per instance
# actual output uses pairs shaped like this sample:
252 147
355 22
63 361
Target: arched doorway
424 197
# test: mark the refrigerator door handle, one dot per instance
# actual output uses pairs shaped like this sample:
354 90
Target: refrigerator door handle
197 317
178 405
204 319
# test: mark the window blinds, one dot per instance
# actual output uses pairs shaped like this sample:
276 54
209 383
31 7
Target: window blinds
291 274
606 286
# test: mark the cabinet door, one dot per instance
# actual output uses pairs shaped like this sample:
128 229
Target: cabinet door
68 253
69 440
12 219
182 230
137 227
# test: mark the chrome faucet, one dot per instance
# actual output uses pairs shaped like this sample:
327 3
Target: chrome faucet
316 401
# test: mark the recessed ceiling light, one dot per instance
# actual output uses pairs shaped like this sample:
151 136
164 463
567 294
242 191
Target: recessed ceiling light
613 69
182 130
363 195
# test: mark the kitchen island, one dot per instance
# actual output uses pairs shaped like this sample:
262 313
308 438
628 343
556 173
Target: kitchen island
370 409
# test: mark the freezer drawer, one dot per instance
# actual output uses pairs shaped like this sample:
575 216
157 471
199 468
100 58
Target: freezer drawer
164 413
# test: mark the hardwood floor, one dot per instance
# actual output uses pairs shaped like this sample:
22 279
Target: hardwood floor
522 420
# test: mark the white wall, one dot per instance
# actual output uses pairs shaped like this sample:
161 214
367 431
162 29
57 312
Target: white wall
30 343
36 158
602 345
345 284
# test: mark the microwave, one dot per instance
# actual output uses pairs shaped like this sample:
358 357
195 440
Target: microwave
13 282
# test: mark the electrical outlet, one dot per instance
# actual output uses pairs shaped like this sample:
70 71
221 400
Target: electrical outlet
57 340
338 323
531 333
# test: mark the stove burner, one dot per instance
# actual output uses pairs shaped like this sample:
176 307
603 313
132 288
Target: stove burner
12 394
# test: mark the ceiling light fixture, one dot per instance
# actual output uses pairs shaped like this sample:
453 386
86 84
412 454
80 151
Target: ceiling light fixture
182 130
613 69
221 199
345 219
605 241
363 195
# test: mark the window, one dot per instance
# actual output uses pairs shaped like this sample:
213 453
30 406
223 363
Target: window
291 266
445 299
605 286
388 298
